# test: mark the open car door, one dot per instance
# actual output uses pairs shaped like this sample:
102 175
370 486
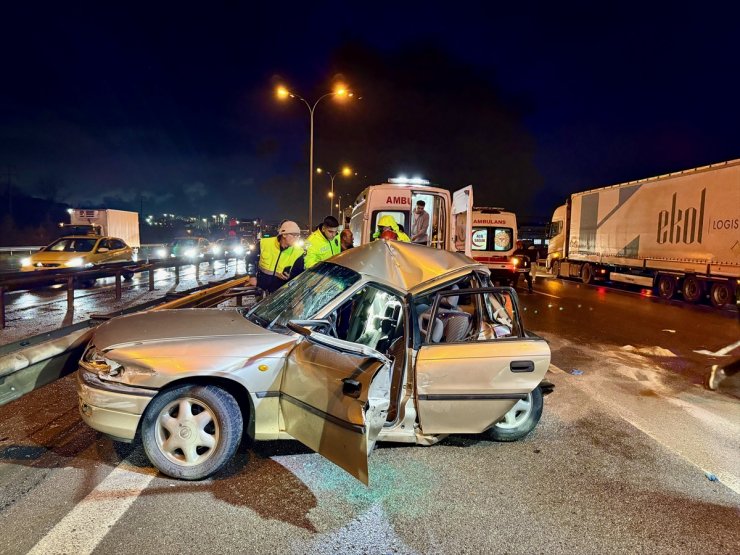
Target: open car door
334 398
476 361
462 220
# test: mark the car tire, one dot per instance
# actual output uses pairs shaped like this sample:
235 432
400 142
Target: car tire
204 444
692 289
128 276
520 420
720 294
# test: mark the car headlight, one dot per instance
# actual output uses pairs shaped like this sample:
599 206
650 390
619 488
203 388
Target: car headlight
161 253
26 262
216 250
239 250
75 263
190 253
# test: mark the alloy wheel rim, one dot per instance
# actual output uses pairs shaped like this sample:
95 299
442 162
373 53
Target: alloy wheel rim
187 431
517 414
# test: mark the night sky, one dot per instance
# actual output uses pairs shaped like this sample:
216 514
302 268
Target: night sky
174 106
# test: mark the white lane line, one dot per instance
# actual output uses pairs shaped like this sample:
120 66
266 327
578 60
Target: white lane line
85 526
724 351
547 295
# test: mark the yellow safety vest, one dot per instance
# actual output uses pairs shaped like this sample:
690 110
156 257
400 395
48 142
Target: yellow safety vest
319 248
273 260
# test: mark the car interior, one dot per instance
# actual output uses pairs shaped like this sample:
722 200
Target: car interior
375 318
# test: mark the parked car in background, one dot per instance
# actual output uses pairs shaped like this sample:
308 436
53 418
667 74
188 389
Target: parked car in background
388 341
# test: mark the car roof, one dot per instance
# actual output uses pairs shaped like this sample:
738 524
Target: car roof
405 266
96 237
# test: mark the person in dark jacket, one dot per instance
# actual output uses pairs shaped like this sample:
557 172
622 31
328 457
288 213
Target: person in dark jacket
524 266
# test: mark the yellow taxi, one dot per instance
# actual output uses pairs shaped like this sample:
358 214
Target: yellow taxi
78 251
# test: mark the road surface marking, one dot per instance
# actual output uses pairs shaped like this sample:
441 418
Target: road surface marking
85 526
723 352
548 295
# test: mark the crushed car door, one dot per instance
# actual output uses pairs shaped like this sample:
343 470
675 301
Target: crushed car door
475 361
462 220
334 398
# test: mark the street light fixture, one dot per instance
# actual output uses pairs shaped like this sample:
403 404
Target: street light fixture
345 172
283 93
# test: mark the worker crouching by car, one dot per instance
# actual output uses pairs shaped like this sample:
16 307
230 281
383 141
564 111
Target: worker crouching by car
323 243
278 257
521 258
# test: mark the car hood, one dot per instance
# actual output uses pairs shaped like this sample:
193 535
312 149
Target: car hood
60 257
181 326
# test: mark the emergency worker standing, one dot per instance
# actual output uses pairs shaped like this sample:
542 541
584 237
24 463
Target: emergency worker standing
525 264
277 257
388 222
323 243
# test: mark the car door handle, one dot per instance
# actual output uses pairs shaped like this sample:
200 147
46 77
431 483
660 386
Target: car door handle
521 366
351 387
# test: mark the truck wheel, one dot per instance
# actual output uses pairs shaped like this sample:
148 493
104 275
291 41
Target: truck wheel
191 431
666 286
692 289
587 274
720 294
556 268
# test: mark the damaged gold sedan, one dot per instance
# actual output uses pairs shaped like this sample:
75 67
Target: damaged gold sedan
389 341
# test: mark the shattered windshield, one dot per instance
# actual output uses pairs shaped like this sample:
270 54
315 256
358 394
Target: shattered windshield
304 296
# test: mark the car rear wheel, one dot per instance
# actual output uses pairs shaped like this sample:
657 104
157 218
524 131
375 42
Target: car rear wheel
191 431
520 420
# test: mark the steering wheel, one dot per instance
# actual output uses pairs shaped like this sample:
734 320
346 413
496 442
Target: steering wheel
332 318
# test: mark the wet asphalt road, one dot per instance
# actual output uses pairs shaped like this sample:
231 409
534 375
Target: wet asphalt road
618 464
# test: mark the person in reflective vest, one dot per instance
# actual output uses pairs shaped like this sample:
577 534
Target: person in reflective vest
388 222
279 257
323 243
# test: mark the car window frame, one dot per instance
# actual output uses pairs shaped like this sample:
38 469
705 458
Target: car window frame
477 291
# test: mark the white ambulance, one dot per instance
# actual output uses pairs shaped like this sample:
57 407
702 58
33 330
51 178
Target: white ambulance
494 242
450 214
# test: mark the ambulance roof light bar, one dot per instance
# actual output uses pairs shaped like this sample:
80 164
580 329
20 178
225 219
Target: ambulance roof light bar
403 180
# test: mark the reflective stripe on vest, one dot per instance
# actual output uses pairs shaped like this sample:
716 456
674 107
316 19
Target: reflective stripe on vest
273 260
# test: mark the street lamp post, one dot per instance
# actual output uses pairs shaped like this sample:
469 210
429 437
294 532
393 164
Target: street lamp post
284 93
346 172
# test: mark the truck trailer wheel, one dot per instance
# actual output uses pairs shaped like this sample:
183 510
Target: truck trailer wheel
666 286
692 289
587 274
720 294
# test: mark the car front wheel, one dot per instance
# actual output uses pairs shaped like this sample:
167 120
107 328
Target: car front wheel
191 431
520 420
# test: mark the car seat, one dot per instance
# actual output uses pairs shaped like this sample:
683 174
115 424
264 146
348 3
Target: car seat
437 331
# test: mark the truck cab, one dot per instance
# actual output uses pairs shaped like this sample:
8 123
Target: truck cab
450 214
494 237
557 234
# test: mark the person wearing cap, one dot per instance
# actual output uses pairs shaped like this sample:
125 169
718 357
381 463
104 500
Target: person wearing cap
278 257
387 222
323 243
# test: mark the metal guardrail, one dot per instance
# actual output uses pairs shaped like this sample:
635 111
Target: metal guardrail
75 278
31 363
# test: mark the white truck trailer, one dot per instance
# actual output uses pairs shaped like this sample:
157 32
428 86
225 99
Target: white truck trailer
114 223
673 233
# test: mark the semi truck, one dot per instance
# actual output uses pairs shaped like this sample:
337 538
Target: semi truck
677 233
114 223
